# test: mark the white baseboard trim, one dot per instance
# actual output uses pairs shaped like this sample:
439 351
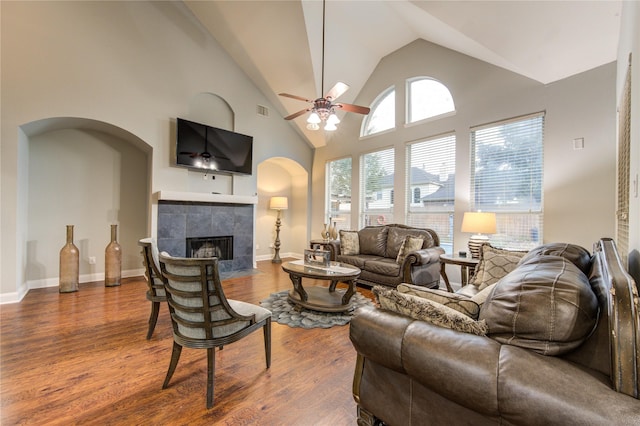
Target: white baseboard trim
54 282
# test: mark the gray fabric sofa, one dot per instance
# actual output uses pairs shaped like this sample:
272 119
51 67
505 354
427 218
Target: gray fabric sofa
410 371
378 251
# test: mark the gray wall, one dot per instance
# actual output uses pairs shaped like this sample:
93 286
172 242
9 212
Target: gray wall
578 185
135 66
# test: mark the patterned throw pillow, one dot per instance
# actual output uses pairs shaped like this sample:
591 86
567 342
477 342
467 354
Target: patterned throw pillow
427 310
409 244
494 264
454 301
349 243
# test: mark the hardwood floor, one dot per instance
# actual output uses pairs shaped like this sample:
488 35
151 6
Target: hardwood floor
82 358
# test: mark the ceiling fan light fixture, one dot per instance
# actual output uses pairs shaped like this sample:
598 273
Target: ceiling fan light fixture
313 126
333 119
314 118
330 127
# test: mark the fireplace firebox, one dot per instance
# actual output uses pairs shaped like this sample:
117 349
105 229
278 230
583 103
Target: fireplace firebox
220 247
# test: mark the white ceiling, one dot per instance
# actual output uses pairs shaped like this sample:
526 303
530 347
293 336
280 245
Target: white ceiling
279 43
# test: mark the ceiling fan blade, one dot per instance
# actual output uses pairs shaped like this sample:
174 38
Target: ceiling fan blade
353 108
336 91
297 114
300 98
190 154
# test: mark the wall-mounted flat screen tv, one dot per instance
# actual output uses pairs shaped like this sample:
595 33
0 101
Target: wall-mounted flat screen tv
207 148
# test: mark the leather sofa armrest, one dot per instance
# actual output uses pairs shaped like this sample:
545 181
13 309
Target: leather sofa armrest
377 334
423 256
334 248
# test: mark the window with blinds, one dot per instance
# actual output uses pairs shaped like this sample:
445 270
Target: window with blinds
338 193
506 178
624 169
376 190
431 166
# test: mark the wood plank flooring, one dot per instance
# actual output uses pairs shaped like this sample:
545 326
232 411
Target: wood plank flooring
82 358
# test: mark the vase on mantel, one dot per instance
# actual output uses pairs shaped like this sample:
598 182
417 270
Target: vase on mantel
113 260
69 265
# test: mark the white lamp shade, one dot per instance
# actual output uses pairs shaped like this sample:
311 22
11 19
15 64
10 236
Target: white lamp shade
279 203
314 118
479 223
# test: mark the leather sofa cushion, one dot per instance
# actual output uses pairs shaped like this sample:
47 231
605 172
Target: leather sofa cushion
579 256
383 266
397 236
546 305
373 240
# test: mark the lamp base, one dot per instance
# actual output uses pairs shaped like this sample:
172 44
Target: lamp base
475 245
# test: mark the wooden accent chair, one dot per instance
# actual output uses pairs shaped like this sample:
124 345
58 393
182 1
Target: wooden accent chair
202 317
155 282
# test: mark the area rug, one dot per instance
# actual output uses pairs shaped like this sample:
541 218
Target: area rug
284 312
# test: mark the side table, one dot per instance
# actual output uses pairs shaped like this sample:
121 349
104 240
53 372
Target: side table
467 265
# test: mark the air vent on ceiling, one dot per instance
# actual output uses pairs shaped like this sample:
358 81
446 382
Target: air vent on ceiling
262 110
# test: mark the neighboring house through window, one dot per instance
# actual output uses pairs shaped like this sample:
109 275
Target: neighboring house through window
376 182
431 166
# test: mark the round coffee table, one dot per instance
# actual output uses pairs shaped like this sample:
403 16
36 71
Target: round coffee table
320 298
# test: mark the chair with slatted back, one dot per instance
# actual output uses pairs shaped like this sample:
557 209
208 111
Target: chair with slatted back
202 316
155 284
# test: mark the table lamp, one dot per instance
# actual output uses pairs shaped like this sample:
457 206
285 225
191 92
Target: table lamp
478 223
279 204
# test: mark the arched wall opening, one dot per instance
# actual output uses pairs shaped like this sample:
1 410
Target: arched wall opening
89 174
279 176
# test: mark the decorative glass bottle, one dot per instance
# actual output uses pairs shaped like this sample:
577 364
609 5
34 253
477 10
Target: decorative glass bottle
333 231
325 233
113 260
69 265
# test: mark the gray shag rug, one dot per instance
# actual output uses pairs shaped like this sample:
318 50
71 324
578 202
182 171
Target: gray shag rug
284 312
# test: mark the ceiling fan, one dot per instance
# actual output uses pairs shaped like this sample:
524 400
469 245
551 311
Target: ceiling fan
323 109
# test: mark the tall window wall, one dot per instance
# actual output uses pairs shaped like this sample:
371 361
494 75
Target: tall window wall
377 187
506 178
431 166
339 192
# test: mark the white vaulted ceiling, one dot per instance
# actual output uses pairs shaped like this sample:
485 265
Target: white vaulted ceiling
279 43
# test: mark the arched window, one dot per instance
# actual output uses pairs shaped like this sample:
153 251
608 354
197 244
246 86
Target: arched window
427 98
382 115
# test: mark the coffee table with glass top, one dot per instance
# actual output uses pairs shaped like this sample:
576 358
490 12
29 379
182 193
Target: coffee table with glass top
318 297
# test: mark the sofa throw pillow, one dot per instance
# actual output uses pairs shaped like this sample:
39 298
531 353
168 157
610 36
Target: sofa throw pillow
428 310
545 305
349 243
451 300
494 264
409 244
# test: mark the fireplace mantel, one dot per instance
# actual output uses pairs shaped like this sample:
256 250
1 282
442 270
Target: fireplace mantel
202 197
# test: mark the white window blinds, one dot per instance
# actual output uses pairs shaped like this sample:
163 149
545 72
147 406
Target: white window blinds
506 178
338 192
376 180
431 168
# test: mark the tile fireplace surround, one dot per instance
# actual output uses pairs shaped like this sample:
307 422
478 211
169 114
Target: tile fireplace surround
188 215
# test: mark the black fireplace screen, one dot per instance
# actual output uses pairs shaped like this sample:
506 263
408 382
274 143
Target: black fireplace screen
220 247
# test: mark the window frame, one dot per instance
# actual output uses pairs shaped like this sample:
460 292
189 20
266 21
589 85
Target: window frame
409 97
508 232
391 90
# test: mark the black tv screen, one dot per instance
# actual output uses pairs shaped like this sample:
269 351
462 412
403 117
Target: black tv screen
207 148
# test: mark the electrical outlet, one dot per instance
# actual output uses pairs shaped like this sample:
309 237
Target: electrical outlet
92 260
257 246
271 245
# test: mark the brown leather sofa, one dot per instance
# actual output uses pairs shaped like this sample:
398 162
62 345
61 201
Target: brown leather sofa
411 372
378 251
